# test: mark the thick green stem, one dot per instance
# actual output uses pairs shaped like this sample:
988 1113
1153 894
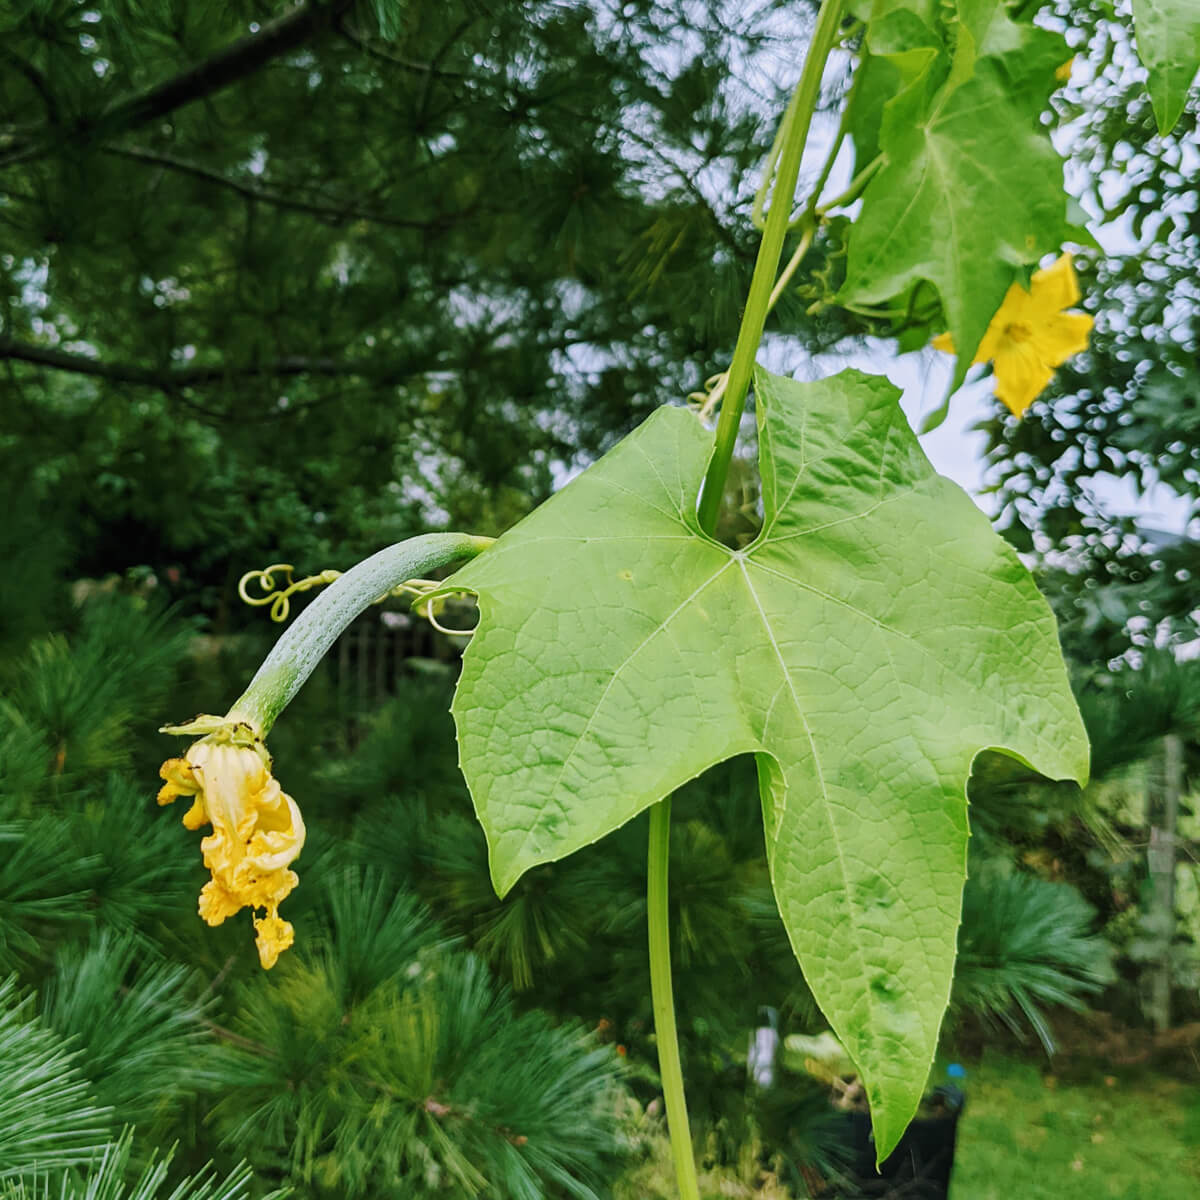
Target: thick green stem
298 651
797 122
658 922
785 162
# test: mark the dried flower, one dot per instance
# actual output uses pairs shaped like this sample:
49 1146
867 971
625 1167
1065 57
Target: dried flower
257 830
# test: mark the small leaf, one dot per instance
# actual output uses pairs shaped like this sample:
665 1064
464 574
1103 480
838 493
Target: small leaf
1168 43
937 418
873 639
972 188
901 44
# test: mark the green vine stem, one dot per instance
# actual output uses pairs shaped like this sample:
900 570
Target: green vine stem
814 196
714 395
663 996
793 136
787 152
298 651
854 188
785 276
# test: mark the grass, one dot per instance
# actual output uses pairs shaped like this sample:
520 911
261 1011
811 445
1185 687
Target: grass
1133 1134
1030 1136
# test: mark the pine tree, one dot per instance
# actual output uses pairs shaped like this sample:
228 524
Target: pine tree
381 269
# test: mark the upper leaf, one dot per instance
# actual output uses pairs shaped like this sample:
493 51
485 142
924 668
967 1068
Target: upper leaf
971 190
874 638
903 41
1168 43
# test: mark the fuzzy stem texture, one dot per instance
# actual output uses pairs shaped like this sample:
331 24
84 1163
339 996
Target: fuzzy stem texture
298 651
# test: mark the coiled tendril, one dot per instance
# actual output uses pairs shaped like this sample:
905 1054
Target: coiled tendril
279 596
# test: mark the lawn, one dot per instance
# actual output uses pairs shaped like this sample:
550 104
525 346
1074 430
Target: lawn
1028 1135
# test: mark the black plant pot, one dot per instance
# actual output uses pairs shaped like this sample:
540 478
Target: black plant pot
920 1166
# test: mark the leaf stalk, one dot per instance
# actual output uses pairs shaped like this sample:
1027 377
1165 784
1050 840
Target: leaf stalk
670 1070
765 289
792 138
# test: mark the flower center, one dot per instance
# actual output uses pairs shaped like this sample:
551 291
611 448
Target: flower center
1018 331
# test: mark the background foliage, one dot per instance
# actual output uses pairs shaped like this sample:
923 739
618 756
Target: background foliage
406 267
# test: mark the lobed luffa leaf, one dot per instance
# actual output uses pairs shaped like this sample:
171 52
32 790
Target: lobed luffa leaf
873 639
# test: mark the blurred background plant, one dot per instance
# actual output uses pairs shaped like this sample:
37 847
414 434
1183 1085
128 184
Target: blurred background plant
424 1036
409 268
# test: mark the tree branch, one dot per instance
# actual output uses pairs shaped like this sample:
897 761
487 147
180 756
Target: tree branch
266 195
171 379
408 64
435 63
228 65
37 80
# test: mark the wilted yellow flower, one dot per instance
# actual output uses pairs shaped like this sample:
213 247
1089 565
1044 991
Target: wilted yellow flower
1030 334
257 828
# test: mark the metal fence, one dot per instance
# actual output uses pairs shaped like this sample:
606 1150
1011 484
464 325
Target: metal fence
371 660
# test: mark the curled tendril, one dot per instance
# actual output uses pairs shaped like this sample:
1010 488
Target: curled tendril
279 598
704 403
429 606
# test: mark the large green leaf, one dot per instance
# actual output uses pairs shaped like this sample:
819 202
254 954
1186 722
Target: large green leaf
874 638
1168 43
971 190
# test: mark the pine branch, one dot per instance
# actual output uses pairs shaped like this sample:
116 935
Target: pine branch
173 379
117 1173
686 178
37 80
265 195
170 379
227 66
48 1117
397 60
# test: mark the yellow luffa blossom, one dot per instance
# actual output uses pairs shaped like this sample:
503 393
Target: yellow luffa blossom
1030 334
257 830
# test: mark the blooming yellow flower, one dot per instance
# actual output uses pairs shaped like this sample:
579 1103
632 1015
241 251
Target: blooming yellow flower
1030 334
257 830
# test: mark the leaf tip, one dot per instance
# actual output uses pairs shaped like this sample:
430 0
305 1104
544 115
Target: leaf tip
889 1123
504 874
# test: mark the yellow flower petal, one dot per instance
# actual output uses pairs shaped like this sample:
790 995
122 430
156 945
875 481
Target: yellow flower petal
264 891
180 780
197 815
1062 336
257 830
1020 376
1056 287
217 903
1030 335
273 936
